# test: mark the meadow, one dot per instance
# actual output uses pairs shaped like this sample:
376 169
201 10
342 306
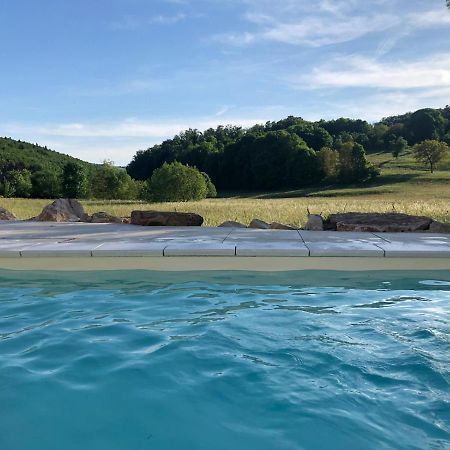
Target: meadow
404 187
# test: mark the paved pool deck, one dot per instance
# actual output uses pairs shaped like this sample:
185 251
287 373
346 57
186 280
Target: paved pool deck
34 245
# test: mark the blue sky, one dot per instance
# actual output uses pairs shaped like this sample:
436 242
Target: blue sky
100 79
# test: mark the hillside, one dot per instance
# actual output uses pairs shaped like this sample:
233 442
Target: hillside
19 155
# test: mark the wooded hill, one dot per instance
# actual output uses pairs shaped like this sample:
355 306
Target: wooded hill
293 152
19 155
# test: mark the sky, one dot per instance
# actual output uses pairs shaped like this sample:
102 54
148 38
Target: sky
101 79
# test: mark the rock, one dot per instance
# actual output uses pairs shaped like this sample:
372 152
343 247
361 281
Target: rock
103 217
232 224
315 223
378 222
6 215
281 226
260 224
168 219
439 227
63 210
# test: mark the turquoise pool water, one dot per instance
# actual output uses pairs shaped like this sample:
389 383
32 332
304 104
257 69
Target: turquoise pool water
307 360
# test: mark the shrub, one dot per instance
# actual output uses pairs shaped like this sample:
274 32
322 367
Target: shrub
211 189
176 182
113 183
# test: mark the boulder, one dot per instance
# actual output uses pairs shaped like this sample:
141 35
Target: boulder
378 222
260 224
314 223
6 215
63 210
166 219
232 224
281 226
103 217
439 227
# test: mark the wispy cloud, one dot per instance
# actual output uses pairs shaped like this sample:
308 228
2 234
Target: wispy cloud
361 72
328 22
134 22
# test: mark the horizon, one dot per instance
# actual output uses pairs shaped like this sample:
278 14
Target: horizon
103 81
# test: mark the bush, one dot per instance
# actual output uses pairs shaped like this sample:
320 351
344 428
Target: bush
212 191
175 182
113 183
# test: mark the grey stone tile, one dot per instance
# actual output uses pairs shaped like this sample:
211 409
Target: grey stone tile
273 248
204 248
12 248
130 248
342 244
412 245
59 249
254 235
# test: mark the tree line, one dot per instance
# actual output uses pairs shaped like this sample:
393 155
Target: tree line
293 152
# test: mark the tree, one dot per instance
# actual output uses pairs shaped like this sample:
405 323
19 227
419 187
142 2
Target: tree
176 182
74 181
353 164
430 152
328 162
315 137
110 182
398 146
282 160
426 124
46 184
21 183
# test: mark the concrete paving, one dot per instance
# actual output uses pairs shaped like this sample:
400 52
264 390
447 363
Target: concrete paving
37 240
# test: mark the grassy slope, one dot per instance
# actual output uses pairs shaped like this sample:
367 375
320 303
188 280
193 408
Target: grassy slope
403 187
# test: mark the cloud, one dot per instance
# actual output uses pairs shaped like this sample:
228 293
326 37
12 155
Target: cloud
311 31
361 72
134 22
326 22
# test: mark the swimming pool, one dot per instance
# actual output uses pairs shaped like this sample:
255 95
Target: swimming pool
224 360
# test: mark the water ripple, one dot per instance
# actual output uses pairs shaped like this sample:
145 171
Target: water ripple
133 362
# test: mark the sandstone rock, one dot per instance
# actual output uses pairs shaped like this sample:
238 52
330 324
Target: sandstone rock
169 219
232 224
315 223
104 217
281 226
378 222
62 210
260 224
439 227
6 215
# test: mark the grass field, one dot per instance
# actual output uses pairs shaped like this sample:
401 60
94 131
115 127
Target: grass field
403 187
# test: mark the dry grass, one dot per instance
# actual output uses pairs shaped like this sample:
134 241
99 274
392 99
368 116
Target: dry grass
286 210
